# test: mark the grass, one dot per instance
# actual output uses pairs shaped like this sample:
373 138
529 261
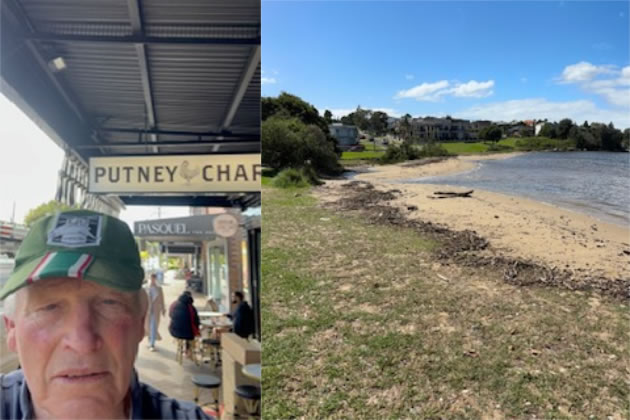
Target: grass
364 155
357 324
462 148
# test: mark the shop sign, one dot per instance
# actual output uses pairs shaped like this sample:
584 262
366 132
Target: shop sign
175 173
225 225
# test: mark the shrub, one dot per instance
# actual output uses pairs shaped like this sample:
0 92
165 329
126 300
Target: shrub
405 151
289 143
296 178
544 143
495 147
290 178
433 150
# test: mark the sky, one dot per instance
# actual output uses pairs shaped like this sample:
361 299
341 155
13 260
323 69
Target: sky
494 60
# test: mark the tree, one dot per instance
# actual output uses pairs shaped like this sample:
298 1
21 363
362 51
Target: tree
360 118
289 106
378 122
491 133
289 143
626 139
611 138
583 138
347 119
563 128
44 209
328 117
548 130
405 128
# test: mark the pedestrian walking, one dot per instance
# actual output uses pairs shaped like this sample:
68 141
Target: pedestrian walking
155 310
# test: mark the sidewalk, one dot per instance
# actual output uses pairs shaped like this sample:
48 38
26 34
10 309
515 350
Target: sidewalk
159 369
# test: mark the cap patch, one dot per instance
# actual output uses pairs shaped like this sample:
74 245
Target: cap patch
76 231
61 265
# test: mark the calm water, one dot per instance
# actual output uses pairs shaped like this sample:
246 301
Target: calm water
589 182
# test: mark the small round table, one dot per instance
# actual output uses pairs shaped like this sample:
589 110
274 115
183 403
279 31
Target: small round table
252 371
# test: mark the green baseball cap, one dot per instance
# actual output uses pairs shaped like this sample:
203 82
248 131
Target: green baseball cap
78 244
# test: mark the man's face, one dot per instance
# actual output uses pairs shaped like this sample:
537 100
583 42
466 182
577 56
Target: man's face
77 342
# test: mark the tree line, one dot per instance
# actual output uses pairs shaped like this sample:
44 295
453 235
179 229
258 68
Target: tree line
595 136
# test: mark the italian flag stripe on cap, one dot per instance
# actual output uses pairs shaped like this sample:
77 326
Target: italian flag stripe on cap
62 265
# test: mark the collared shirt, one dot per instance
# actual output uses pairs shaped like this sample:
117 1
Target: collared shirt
146 401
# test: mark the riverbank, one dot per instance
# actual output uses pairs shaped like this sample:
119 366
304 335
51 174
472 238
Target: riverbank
515 227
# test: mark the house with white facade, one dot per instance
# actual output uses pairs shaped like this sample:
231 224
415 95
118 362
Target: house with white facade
346 135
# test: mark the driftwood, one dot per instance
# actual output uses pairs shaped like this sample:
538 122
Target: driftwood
451 194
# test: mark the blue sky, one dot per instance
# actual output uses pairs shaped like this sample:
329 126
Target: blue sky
479 60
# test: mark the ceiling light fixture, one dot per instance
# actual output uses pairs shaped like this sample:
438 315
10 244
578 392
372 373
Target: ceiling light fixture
57 64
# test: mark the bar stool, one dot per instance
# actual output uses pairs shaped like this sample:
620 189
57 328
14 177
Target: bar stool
251 398
215 347
210 382
181 350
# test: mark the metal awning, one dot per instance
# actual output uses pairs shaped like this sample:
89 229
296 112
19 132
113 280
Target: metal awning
138 77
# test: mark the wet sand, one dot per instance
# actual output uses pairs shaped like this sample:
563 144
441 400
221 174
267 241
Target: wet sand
515 226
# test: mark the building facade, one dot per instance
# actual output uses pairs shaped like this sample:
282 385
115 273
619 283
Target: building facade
454 129
346 135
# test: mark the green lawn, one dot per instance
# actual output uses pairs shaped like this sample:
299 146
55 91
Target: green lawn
364 155
358 324
462 148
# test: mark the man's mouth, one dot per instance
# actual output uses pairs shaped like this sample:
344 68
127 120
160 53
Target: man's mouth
81 377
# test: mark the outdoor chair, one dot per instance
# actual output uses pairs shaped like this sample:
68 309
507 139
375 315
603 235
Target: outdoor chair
210 382
251 398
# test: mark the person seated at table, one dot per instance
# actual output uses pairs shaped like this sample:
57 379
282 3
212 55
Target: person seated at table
242 317
211 305
184 319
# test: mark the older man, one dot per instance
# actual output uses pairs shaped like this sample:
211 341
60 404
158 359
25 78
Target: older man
74 313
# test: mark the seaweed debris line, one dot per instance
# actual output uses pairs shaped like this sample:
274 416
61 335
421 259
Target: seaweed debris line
465 246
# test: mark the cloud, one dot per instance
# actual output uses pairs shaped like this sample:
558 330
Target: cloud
605 80
473 89
434 91
541 108
583 71
409 76
424 92
268 80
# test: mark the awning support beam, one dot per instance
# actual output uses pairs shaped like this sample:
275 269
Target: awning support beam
141 39
135 14
246 78
198 134
173 144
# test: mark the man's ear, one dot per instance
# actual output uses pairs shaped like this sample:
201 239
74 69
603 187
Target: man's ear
9 326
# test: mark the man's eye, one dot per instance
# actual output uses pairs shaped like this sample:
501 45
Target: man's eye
111 302
49 307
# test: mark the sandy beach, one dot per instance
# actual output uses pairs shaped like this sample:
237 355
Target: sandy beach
515 226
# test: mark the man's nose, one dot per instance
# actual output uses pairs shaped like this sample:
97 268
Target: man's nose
81 333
